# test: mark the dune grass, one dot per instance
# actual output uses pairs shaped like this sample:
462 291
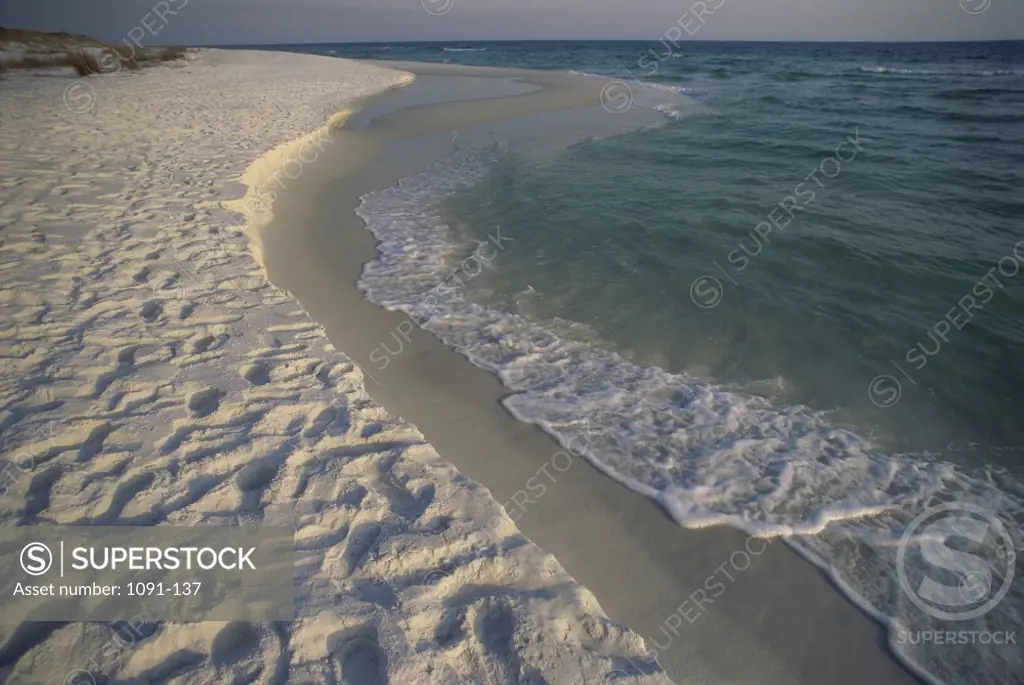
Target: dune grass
84 63
87 56
171 53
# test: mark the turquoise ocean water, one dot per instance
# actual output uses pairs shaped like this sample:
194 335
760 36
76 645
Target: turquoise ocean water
795 306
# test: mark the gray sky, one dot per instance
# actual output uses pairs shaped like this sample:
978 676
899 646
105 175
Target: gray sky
225 22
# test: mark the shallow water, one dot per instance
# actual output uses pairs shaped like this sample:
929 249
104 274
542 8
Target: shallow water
794 306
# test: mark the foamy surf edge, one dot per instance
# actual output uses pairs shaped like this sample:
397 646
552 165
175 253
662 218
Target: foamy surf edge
729 458
255 206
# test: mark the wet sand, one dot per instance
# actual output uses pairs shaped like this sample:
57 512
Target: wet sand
777 620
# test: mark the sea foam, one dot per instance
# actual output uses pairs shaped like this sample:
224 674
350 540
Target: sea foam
708 455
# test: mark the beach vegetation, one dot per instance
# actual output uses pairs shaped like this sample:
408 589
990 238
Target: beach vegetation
84 63
87 56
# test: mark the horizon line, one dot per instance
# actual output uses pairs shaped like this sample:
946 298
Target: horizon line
613 40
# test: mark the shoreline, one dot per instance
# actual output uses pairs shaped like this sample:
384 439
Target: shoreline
190 391
588 517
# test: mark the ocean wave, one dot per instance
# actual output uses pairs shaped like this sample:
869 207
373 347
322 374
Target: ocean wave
960 116
977 93
790 76
669 111
464 49
668 87
707 454
936 72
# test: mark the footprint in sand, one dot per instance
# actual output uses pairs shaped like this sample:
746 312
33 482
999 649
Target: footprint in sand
204 401
149 311
235 643
256 374
357 658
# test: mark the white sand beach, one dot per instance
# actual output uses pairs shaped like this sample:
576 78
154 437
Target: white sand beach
151 375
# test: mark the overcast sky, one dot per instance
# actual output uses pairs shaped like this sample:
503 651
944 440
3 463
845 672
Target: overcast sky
226 22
